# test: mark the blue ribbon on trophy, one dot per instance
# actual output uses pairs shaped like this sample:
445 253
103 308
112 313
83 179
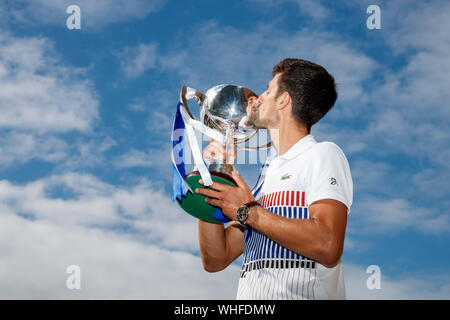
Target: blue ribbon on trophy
180 187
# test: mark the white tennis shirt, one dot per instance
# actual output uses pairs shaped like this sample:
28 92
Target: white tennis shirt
307 172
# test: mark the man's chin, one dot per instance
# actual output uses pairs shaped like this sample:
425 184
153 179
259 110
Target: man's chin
255 121
259 125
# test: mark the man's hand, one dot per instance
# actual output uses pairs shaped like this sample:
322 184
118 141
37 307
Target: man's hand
228 198
216 150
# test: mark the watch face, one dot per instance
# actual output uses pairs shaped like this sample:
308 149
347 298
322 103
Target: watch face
242 214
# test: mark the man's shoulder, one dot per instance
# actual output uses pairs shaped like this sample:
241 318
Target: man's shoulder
325 153
326 148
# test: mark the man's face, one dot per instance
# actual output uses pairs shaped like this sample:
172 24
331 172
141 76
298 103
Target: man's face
266 114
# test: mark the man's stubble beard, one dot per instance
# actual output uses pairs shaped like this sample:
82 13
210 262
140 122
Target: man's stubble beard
258 123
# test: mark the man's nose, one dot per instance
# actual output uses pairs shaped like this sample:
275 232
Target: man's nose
260 99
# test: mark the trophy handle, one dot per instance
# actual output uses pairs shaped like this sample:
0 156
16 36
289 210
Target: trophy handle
266 146
199 97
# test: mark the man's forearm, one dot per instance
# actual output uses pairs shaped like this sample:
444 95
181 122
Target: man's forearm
212 242
220 246
307 237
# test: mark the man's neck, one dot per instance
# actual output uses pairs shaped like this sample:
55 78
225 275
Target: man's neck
286 136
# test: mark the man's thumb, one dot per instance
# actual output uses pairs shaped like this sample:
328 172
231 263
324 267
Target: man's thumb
237 177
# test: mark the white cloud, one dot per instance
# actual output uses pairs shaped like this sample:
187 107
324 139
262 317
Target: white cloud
87 152
403 287
216 54
36 254
20 147
416 97
139 59
70 220
432 185
40 93
158 160
156 103
160 122
314 9
94 14
40 98
393 214
74 199
422 26
309 8
406 117
411 106
136 106
114 265
370 176
134 158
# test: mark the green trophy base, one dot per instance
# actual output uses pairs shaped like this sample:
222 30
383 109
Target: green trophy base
194 203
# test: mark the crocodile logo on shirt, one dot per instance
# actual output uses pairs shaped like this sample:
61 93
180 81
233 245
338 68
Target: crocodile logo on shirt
286 176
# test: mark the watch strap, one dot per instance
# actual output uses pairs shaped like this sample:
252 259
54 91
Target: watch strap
248 205
251 204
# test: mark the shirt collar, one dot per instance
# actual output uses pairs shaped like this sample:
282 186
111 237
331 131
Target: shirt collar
299 147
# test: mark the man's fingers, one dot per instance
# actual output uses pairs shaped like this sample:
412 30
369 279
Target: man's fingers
216 185
212 150
214 202
208 192
216 150
237 177
232 154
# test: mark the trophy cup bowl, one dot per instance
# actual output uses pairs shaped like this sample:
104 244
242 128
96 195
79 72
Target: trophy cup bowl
226 109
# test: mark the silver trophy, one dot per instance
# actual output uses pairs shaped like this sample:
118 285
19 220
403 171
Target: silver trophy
228 109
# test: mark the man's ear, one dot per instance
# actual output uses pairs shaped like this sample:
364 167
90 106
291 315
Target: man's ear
283 101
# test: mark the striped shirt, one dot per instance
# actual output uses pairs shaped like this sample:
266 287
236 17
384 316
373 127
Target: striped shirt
271 271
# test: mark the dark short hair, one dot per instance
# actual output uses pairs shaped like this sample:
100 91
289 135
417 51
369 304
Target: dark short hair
311 87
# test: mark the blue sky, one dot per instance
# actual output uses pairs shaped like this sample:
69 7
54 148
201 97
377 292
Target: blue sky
85 171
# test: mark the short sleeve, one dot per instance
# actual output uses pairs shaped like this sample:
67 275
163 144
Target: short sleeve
329 175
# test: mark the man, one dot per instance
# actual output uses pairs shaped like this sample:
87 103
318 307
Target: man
293 237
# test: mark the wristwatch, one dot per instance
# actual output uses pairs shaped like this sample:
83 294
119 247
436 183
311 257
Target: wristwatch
242 212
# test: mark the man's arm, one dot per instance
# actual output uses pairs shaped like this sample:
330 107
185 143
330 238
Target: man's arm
321 237
220 246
